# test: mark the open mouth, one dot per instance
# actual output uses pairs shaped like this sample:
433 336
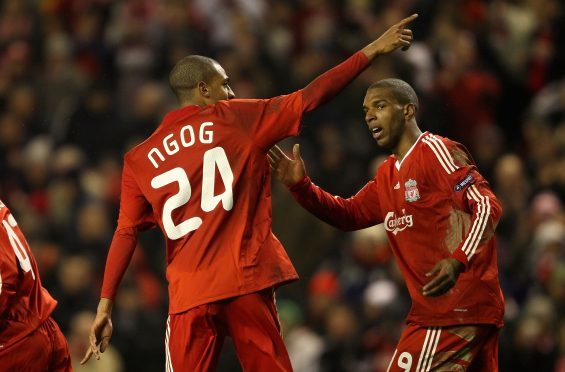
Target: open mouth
376 132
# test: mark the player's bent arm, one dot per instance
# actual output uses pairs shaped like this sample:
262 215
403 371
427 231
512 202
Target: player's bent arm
454 171
486 211
358 212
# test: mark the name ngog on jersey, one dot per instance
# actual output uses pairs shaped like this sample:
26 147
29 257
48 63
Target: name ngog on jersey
412 193
396 224
186 137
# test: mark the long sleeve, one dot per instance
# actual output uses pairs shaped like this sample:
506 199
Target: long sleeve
135 215
268 121
485 213
330 83
357 212
469 191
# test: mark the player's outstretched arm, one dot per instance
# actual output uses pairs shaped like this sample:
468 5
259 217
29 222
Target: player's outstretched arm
354 213
100 331
330 83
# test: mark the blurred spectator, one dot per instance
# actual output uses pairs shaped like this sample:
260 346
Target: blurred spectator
81 82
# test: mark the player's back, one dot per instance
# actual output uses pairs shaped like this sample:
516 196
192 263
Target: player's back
24 303
206 179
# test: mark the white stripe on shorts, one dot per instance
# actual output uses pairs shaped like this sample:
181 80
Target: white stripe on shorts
428 349
168 363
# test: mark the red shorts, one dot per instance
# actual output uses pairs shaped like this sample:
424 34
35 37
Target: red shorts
453 348
194 338
45 349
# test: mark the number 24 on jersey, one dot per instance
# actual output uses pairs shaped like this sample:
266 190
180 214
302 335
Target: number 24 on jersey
213 159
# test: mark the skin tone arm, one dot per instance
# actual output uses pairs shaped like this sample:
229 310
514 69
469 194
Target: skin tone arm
101 330
289 171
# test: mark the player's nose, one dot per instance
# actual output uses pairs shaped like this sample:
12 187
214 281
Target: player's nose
231 94
369 116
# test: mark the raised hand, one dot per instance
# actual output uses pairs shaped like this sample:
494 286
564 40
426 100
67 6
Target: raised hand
397 36
288 171
445 274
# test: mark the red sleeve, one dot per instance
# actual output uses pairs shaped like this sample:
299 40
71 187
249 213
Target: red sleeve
360 211
270 120
469 191
135 215
330 83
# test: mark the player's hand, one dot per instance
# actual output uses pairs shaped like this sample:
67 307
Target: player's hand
397 36
445 274
100 334
288 171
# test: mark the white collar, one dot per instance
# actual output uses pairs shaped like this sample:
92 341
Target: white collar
398 164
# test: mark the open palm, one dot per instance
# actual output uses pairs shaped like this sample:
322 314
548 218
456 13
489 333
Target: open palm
288 171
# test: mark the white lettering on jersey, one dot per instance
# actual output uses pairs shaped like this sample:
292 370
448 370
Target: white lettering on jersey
214 159
19 249
396 224
187 138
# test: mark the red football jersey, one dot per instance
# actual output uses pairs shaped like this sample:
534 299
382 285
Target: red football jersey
434 204
24 303
204 179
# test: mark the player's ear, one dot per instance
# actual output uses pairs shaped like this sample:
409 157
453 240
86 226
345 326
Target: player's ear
409 111
203 89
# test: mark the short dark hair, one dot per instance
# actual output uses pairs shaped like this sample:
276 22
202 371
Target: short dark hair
188 72
402 91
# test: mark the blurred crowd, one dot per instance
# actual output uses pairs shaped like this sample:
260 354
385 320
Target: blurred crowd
81 82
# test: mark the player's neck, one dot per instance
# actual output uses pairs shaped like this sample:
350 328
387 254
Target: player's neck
184 104
409 137
192 100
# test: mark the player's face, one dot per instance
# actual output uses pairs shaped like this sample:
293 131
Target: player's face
384 117
219 87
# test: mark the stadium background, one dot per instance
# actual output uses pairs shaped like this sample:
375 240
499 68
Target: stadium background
82 81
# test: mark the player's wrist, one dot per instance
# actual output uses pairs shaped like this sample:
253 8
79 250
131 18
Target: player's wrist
371 51
300 184
457 265
105 306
